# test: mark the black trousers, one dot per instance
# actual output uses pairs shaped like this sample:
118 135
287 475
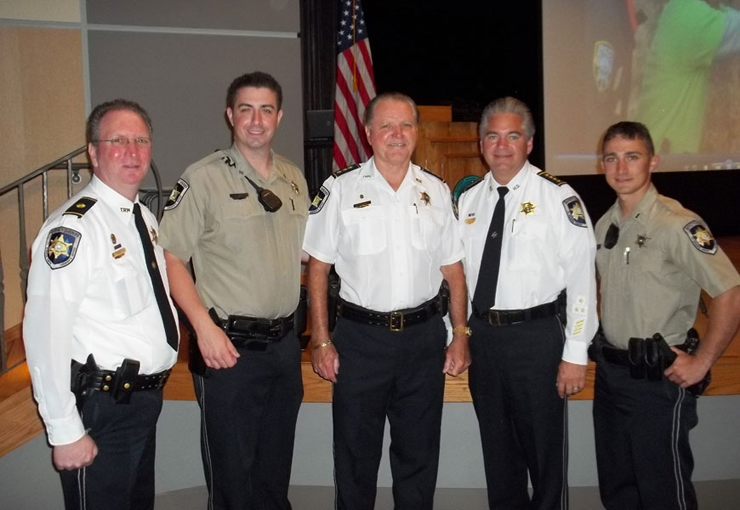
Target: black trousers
248 419
642 441
122 475
393 374
523 421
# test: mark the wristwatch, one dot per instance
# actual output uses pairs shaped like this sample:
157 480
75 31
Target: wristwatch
463 329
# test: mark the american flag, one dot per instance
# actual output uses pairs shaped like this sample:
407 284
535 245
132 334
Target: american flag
355 86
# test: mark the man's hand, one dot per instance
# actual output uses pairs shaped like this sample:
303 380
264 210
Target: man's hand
215 346
571 378
325 360
457 356
75 455
686 370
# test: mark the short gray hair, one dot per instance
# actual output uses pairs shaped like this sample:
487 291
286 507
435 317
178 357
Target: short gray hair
508 104
390 96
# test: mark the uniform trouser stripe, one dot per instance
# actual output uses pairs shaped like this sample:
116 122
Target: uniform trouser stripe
564 494
676 429
81 488
204 439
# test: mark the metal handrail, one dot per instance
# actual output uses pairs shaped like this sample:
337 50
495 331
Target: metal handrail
73 177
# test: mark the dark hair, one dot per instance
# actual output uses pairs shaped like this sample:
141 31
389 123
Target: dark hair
257 79
390 96
508 104
92 130
631 131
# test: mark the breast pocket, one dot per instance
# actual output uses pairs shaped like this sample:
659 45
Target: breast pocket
365 230
130 287
525 243
426 228
234 218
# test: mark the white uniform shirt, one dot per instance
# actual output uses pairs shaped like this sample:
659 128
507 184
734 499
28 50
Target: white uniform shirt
548 246
94 295
387 246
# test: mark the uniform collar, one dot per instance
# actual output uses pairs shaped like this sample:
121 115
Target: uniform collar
641 210
370 171
515 184
243 165
120 205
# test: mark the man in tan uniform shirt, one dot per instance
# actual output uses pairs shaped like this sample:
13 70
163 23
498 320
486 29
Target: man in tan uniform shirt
653 258
246 250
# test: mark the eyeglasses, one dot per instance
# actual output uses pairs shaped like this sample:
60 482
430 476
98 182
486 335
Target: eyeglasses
612 236
121 141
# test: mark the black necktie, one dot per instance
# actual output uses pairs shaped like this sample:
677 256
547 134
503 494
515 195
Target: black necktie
170 326
485 289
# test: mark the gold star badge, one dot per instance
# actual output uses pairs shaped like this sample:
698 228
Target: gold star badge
528 208
59 247
577 212
425 198
703 237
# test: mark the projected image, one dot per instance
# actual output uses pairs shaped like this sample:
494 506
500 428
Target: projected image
671 64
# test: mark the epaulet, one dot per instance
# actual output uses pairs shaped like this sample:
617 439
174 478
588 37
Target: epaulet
80 207
228 160
550 178
345 170
431 173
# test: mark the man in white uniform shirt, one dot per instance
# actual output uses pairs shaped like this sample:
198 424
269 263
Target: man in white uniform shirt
532 322
95 309
388 228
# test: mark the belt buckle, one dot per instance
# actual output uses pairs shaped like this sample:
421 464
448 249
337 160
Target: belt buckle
494 314
397 316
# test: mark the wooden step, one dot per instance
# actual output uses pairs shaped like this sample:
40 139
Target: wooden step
19 420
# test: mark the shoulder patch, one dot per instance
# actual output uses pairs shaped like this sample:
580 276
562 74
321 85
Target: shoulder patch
431 173
700 237
574 211
466 183
61 246
345 170
461 187
178 192
318 200
80 207
550 178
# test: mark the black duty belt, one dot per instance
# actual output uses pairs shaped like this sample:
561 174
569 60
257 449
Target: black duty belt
106 380
616 356
509 317
394 321
252 333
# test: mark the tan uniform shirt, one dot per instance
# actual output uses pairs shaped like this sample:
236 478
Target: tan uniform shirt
246 260
651 279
